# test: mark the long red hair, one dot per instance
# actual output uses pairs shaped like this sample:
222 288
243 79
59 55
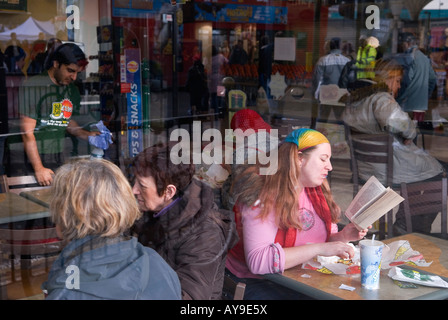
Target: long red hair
279 192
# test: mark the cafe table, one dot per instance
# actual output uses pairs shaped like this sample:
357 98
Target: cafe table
39 196
443 132
318 285
14 208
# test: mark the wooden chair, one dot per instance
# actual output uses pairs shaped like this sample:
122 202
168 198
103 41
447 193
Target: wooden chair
372 148
238 288
424 198
19 184
35 249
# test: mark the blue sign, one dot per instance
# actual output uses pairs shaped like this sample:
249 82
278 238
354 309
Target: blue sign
134 101
241 13
137 8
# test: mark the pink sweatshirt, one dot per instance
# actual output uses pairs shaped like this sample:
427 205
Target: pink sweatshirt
261 253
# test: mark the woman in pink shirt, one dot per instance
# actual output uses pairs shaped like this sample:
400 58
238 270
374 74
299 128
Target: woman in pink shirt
286 218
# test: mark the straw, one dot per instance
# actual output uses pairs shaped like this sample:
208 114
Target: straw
373 238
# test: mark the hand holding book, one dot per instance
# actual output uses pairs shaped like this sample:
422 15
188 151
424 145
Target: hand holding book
371 203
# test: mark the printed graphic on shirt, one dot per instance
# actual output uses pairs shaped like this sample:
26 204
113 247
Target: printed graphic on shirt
61 112
306 219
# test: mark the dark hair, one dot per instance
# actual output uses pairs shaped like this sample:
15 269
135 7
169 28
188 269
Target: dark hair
407 37
335 43
155 162
66 53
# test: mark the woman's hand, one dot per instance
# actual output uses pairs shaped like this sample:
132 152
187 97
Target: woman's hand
298 255
351 233
337 248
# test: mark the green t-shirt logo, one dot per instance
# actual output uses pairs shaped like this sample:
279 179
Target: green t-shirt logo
62 110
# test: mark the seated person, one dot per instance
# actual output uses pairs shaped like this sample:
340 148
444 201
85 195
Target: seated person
248 146
92 207
182 222
374 110
287 218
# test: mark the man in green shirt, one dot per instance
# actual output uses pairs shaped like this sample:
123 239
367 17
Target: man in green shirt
47 103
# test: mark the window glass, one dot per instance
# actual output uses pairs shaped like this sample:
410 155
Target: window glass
150 71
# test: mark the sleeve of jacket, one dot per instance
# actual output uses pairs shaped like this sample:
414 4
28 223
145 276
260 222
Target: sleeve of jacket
317 77
391 117
199 260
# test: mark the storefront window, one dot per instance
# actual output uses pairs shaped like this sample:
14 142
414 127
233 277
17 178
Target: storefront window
158 65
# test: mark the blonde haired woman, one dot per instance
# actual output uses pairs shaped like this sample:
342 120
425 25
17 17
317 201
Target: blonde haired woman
93 206
374 110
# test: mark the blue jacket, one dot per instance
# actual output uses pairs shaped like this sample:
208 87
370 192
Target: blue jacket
419 80
328 70
113 269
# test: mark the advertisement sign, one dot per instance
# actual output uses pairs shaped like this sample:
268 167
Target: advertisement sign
136 8
134 101
241 13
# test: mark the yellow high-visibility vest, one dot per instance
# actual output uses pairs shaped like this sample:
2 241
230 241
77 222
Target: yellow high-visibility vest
365 64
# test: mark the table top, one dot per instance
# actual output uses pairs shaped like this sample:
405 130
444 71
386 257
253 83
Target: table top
436 131
15 208
326 286
39 196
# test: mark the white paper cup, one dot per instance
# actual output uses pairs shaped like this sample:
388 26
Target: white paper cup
371 253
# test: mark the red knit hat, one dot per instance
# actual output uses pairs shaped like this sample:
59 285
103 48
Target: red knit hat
249 119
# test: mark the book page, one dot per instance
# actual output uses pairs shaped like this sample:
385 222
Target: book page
377 209
368 194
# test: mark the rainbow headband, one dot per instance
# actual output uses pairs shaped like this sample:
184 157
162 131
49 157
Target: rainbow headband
306 138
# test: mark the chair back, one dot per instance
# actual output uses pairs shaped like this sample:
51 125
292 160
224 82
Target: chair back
372 148
19 184
25 253
424 198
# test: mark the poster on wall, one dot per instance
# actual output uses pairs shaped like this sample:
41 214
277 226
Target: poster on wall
134 101
285 49
105 34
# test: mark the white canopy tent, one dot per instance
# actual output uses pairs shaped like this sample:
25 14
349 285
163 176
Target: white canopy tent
29 30
436 5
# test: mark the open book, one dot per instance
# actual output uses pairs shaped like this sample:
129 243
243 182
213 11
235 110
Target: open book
371 203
